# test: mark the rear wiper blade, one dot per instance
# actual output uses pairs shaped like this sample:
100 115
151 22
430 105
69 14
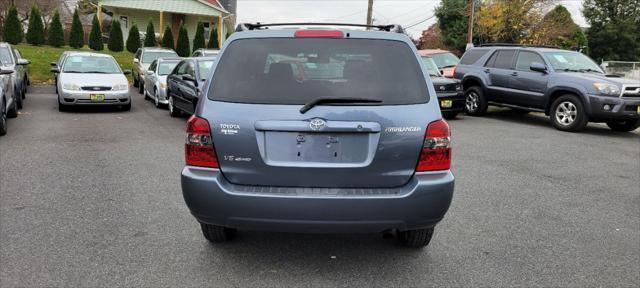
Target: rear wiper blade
327 100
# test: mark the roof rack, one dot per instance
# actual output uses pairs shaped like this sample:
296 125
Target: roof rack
258 26
516 45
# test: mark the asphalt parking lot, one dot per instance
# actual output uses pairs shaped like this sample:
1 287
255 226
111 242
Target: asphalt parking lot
92 198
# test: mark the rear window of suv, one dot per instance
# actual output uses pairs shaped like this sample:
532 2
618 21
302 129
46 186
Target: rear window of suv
472 56
297 70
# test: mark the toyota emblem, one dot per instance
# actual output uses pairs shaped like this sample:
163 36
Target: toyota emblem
317 124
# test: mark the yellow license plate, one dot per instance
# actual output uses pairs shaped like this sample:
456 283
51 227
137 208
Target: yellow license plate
638 110
96 97
446 103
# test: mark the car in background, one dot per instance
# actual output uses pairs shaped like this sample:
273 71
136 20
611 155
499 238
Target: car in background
205 53
90 79
567 86
155 85
8 107
185 83
58 63
358 145
26 80
445 60
449 91
19 77
143 58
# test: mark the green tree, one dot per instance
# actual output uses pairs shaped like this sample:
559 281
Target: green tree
198 39
167 38
35 32
116 43
453 22
614 32
76 36
133 41
150 38
213 39
55 34
182 47
12 28
95 37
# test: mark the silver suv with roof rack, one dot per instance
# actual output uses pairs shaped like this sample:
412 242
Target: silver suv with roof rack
143 58
566 85
323 130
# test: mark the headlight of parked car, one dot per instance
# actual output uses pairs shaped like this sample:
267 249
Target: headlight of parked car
607 89
120 87
71 86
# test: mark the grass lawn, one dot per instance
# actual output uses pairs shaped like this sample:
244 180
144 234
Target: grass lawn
42 56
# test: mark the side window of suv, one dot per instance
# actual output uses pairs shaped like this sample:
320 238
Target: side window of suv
502 59
525 58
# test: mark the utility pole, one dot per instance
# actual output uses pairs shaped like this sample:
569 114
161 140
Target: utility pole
369 13
470 31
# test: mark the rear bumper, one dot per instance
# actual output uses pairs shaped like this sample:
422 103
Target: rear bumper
457 99
619 108
421 203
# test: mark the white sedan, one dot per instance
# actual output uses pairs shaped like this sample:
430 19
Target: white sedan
92 79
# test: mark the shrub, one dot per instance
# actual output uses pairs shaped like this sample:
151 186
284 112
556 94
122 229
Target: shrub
198 39
95 37
55 35
182 48
35 32
133 41
116 43
150 38
12 28
167 38
213 39
76 36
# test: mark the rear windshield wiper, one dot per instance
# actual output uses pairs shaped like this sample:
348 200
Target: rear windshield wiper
331 100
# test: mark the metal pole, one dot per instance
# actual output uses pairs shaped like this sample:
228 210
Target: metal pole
369 13
470 31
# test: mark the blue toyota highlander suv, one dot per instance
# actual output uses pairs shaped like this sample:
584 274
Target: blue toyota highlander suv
318 130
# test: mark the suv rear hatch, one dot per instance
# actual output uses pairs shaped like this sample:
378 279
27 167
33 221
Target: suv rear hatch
367 131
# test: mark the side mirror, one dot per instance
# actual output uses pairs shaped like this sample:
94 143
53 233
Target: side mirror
5 72
149 72
187 77
53 64
538 67
136 61
126 72
22 61
55 70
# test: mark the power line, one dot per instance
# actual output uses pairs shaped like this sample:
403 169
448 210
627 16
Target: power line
420 22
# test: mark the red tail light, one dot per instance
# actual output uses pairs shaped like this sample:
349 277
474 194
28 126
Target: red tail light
313 33
436 149
453 73
198 150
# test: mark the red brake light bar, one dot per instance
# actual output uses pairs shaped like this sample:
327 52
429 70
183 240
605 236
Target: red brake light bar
313 33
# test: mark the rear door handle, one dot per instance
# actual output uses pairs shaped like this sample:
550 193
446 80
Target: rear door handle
487 71
514 74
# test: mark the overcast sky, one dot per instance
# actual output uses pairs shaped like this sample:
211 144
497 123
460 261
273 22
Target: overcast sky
416 14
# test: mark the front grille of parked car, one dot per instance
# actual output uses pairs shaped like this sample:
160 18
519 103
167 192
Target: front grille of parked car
631 91
314 191
89 101
96 88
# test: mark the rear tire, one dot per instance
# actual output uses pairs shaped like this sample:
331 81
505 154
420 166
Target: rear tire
449 115
475 102
3 120
141 87
416 238
217 234
567 114
624 126
19 100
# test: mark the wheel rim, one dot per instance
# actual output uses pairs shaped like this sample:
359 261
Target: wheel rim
566 113
471 102
155 93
